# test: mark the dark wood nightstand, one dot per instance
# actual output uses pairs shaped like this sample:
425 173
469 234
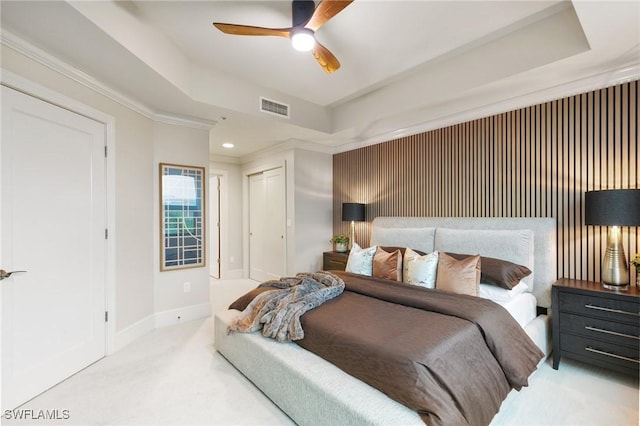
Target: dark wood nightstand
334 260
596 325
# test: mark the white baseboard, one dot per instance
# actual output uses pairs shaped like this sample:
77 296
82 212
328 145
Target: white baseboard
233 274
179 315
159 320
133 332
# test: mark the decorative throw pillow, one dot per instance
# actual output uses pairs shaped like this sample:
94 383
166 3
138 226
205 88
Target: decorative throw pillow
420 269
360 260
458 276
498 272
387 265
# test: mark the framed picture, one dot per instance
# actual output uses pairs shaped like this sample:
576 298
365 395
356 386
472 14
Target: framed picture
182 217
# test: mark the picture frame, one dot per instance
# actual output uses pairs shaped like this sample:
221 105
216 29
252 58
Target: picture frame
182 217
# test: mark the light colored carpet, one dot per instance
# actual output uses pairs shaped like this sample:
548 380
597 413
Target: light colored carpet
174 376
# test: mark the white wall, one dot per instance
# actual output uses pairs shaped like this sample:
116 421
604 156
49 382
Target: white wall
186 146
313 208
135 250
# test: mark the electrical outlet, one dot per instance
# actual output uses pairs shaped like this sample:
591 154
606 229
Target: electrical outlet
187 287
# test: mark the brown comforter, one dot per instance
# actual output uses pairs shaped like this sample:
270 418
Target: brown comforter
452 358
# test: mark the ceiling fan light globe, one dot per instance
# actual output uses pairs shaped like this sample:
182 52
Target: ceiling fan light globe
303 40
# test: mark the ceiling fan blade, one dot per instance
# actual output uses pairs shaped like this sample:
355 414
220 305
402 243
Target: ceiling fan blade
248 30
326 10
326 59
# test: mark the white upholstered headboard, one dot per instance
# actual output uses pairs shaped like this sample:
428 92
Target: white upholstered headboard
421 233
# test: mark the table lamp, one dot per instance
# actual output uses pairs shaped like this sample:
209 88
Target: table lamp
613 208
352 212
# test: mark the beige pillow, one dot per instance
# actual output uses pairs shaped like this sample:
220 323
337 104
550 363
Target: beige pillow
387 265
458 276
498 272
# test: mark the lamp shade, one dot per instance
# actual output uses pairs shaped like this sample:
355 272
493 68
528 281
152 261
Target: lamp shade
353 211
612 207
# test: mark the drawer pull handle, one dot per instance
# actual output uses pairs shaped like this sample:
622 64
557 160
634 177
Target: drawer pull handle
611 355
617 311
615 333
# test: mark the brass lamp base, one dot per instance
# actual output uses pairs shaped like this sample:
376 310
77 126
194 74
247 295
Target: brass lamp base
352 234
615 273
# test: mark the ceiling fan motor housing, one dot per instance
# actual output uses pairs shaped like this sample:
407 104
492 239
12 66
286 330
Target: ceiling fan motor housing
301 11
306 20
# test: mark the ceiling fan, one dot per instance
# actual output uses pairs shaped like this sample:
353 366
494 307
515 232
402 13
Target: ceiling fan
306 19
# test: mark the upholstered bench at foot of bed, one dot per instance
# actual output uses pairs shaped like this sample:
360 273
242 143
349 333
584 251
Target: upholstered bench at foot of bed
305 386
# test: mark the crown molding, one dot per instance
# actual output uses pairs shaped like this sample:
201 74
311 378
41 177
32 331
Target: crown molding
36 54
269 151
215 158
18 44
287 145
598 81
185 121
586 84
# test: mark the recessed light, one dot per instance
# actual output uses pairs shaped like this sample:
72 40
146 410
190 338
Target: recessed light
227 145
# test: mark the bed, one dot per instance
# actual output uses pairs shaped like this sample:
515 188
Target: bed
310 389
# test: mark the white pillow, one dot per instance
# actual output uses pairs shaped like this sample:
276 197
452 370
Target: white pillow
498 294
420 270
361 260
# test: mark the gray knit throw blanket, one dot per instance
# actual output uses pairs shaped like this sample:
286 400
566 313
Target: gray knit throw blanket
278 312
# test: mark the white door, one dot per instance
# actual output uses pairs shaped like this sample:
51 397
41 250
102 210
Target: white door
267 237
53 202
214 225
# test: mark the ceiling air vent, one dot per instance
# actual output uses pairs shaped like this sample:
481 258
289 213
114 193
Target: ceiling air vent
273 107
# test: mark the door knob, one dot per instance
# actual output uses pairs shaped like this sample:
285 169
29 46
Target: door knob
4 274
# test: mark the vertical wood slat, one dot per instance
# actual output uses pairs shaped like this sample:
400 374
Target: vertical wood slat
532 162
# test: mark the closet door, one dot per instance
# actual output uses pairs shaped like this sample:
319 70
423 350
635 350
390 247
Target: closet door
275 227
267 216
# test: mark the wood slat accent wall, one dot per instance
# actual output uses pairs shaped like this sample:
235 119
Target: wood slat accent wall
532 162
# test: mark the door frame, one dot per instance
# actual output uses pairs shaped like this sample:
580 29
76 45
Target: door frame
28 87
223 218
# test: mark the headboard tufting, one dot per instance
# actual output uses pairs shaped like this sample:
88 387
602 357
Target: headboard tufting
422 233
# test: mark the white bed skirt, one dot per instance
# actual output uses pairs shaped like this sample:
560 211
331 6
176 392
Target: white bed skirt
311 390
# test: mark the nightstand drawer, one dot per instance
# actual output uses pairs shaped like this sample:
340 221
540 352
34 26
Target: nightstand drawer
600 307
603 352
593 328
334 261
333 264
